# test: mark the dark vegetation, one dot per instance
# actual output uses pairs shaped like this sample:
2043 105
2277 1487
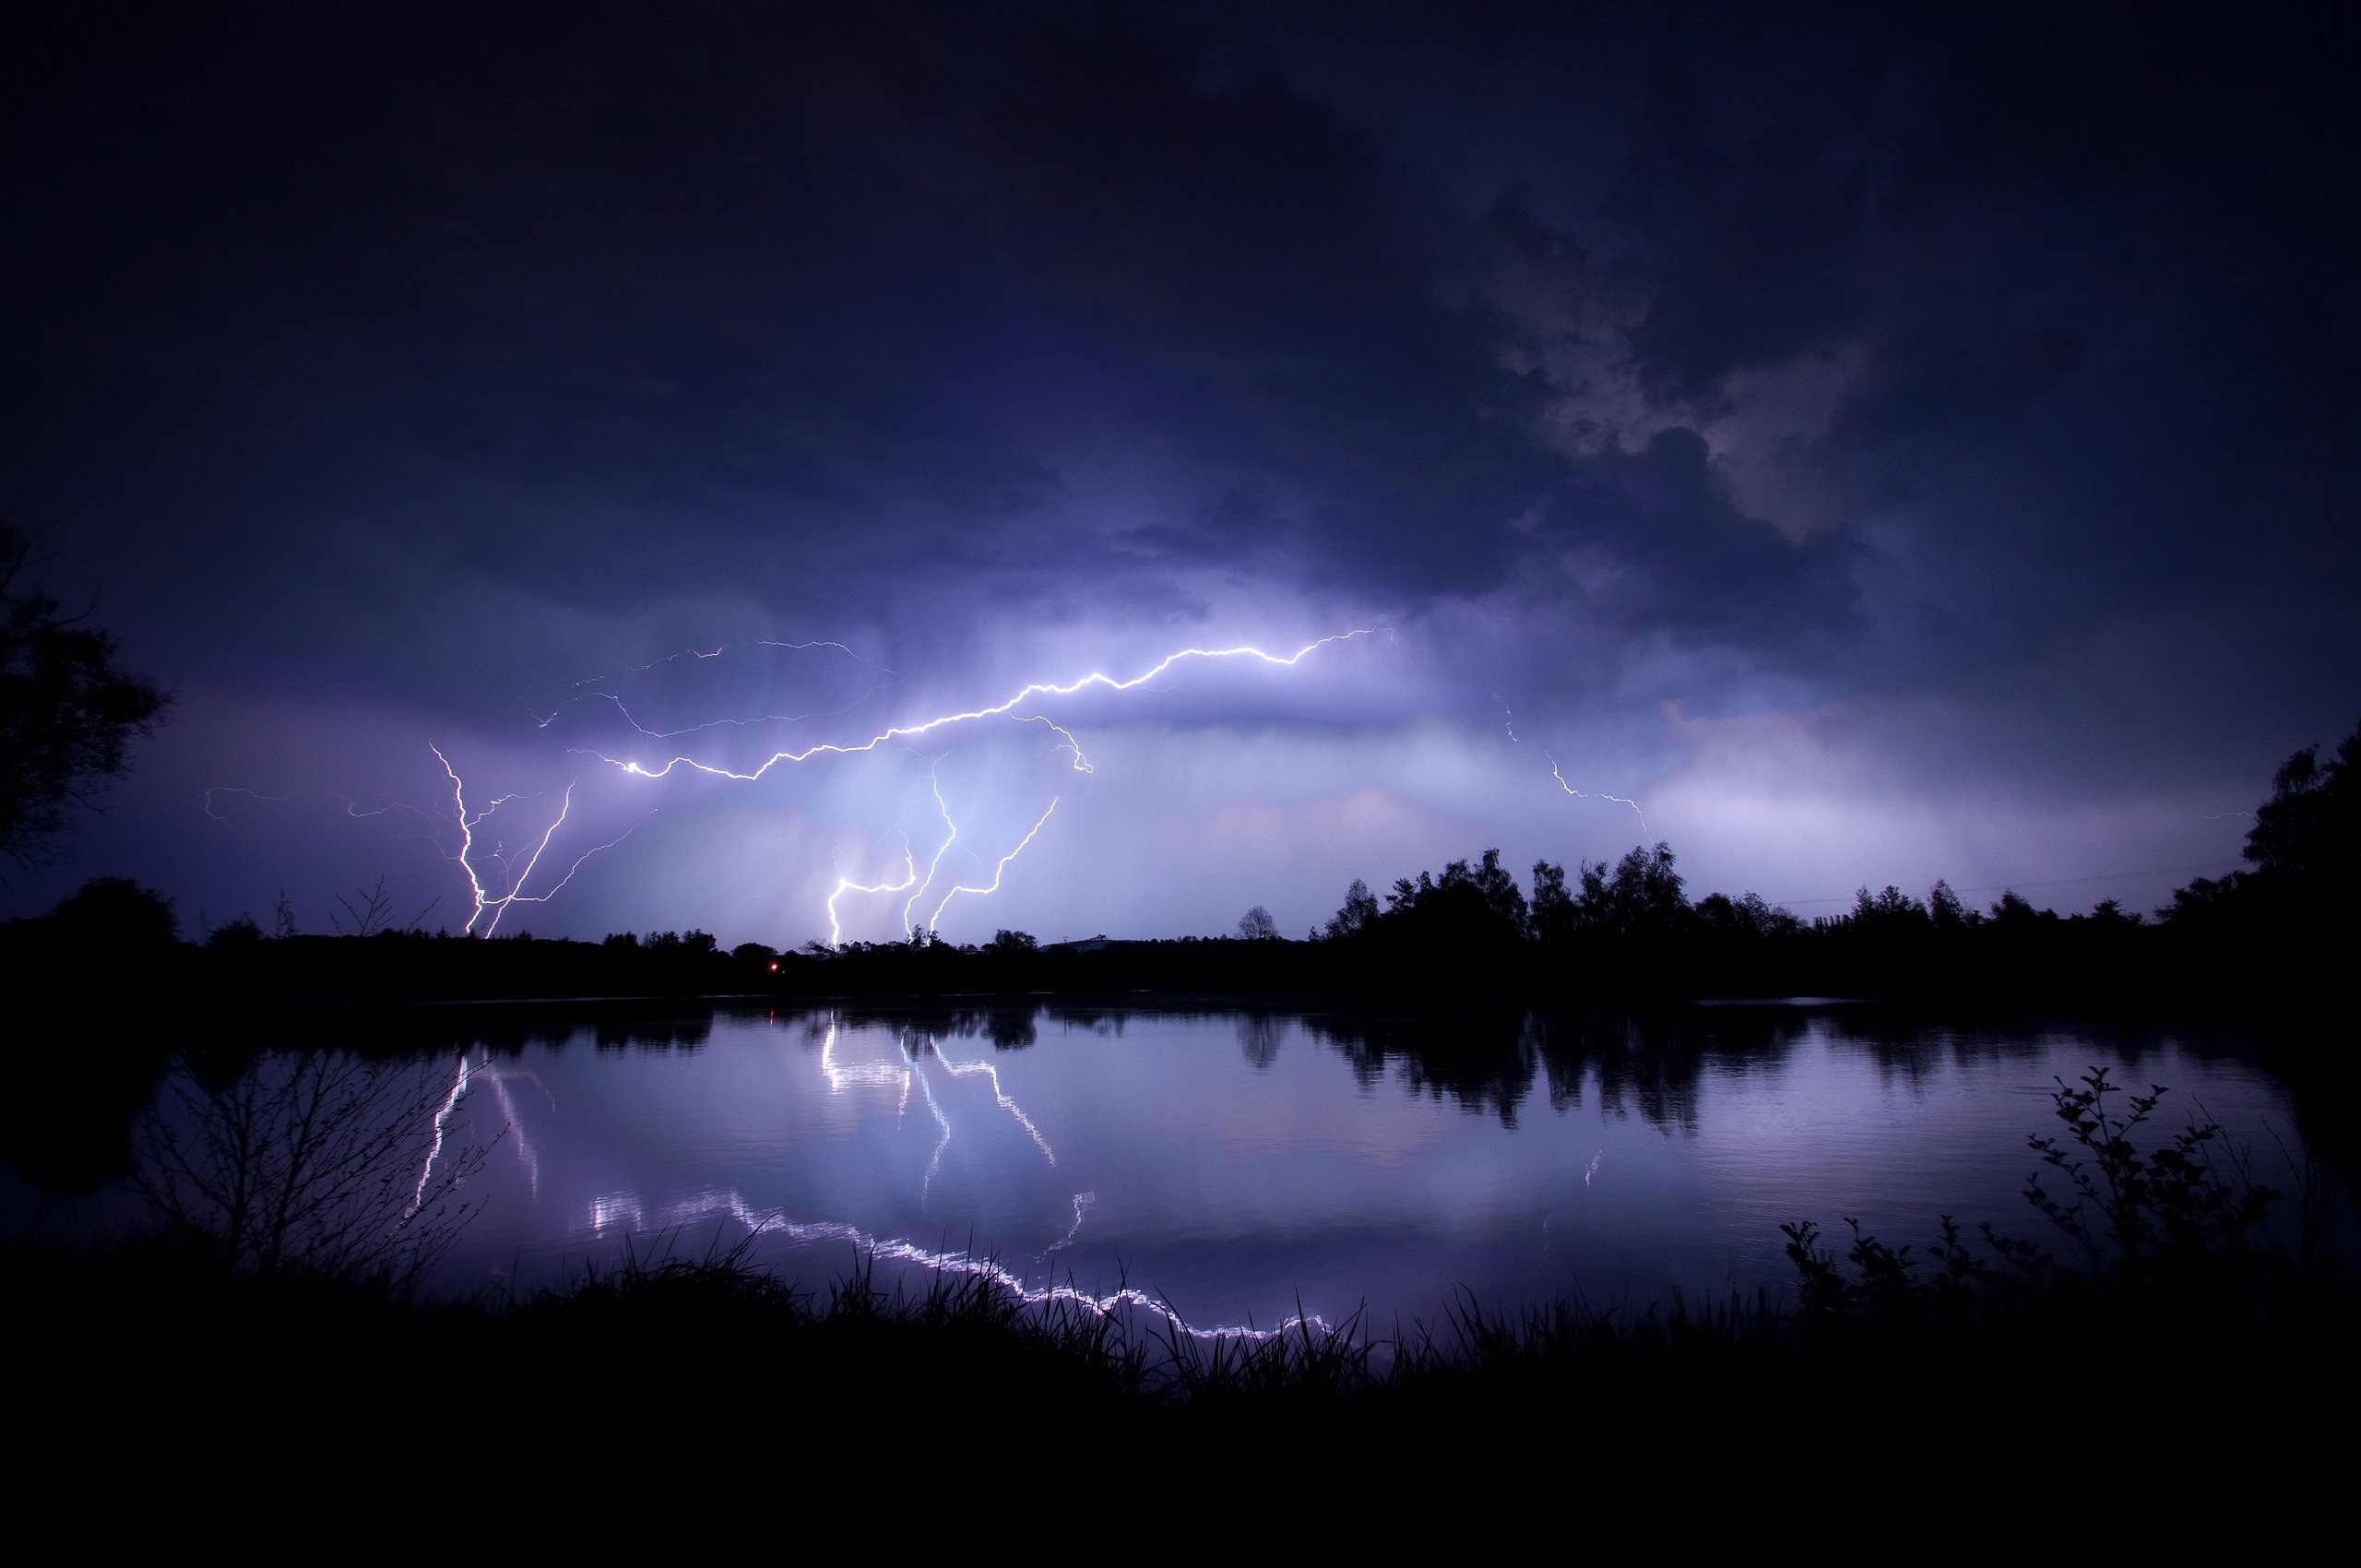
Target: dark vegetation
68 709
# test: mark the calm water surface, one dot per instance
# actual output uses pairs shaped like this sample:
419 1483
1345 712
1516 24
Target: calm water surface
1236 1164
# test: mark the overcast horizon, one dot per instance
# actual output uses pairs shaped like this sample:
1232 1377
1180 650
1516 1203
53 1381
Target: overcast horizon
1852 447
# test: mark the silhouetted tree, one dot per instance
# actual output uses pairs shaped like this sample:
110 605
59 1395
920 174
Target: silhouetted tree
1503 899
112 914
68 711
1944 908
1888 910
1550 917
238 932
1358 914
1472 910
1256 925
1747 917
2013 912
1642 897
1259 1036
369 911
2305 843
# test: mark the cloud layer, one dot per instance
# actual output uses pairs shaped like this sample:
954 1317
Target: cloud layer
1960 400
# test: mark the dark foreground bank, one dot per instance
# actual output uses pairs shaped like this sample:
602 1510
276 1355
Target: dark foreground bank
708 1367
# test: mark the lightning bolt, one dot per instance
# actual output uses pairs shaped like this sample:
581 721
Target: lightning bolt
1507 720
917 887
873 1075
913 1071
1585 795
993 886
926 1183
1081 1202
625 1211
967 1069
465 1080
951 837
996 710
490 897
846 884
526 1154
483 898
434 1148
622 1210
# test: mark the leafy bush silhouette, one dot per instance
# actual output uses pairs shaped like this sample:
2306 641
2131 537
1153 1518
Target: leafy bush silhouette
2181 1225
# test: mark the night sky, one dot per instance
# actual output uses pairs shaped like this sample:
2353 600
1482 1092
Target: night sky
1882 444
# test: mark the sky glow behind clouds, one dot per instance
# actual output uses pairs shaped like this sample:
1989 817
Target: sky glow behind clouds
1884 449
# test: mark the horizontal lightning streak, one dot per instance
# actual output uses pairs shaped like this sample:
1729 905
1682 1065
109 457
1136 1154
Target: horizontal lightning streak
996 710
617 1210
846 884
625 1211
351 806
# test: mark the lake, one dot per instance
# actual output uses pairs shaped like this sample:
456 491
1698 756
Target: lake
1236 1164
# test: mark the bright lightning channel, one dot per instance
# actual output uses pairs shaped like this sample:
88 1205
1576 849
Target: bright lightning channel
434 1147
846 884
482 898
465 1080
1507 720
488 907
1081 1202
997 710
1000 1097
1587 795
916 885
951 837
625 1211
993 886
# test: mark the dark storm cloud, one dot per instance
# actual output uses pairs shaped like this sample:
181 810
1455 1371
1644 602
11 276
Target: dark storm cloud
1677 561
597 314
1724 351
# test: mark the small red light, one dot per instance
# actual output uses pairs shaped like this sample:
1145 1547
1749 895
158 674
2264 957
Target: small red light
774 965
